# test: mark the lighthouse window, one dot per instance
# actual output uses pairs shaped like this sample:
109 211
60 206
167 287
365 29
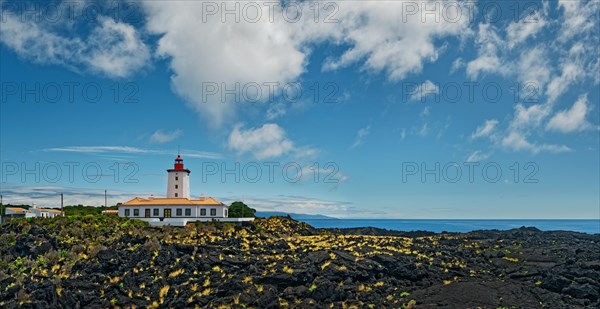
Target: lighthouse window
203 212
126 212
178 212
176 178
175 194
176 186
213 212
155 212
188 212
136 212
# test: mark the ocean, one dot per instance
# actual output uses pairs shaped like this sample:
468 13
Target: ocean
583 226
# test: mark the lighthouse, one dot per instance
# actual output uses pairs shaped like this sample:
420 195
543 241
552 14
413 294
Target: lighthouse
179 180
177 208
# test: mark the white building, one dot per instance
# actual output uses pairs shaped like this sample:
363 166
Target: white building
11 213
43 213
33 212
177 208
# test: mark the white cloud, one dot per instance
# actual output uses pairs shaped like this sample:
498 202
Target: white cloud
97 149
579 17
485 129
516 141
104 150
309 205
402 134
112 48
529 116
224 53
573 119
328 173
484 64
424 130
525 120
275 111
361 136
115 49
457 64
477 156
295 204
427 88
268 141
425 112
494 55
548 70
385 38
305 152
571 71
205 51
160 136
487 60
533 68
530 25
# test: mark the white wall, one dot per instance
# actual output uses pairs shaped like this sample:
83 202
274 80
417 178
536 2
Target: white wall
183 184
37 212
184 221
221 211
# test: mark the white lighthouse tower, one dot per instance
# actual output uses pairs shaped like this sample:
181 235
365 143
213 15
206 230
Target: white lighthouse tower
179 180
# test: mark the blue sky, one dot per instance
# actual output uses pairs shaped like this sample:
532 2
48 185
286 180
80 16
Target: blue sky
377 99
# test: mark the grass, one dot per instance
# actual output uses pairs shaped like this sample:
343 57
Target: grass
176 273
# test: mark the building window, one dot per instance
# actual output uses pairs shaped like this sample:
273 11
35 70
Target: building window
203 212
147 213
176 178
175 194
225 212
178 212
126 212
168 213
213 212
136 212
155 212
176 187
188 212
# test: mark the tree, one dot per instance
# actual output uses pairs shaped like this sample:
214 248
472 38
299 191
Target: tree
241 210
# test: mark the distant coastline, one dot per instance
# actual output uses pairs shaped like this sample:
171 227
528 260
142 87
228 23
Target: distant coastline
588 226
295 216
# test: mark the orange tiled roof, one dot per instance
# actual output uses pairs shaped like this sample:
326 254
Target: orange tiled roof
16 209
47 210
138 201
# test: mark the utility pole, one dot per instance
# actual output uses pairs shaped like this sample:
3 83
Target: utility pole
1 210
62 208
105 204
